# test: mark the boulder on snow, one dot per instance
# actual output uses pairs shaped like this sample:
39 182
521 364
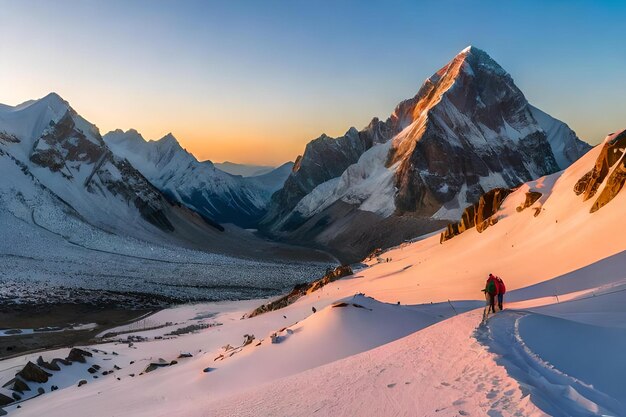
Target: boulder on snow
247 339
82 382
47 365
157 364
5 400
33 373
20 386
78 355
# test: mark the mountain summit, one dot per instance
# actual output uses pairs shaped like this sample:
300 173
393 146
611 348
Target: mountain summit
468 129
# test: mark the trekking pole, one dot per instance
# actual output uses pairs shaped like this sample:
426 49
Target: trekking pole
455 313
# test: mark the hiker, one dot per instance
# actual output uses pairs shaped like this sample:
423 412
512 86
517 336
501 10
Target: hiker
491 290
501 288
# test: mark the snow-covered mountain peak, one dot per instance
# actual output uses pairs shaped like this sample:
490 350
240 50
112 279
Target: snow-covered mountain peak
169 138
198 185
469 129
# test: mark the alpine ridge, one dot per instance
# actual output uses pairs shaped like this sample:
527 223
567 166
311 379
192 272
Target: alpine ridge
200 186
469 129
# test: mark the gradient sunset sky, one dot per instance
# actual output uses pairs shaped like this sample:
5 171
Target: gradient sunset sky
254 81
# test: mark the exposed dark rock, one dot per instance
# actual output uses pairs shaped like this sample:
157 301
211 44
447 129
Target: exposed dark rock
91 370
82 382
16 396
20 386
479 215
531 198
33 373
341 304
57 361
41 390
157 364
303 289
5 400
78 355
612 152
54 366
247 339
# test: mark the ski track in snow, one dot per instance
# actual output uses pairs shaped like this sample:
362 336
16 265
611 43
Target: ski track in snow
554 391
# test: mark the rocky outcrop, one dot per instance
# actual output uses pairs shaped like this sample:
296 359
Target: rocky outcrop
78 355
479 215
301 290
156 365
609 169
33 373
5 400
20 386
531 198
53 366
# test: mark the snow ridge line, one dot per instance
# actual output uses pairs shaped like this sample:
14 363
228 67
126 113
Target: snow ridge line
552 390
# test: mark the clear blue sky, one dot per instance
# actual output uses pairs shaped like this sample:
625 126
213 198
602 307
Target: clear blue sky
253 81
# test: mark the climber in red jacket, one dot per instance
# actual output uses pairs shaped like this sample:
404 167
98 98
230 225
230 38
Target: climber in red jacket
501 290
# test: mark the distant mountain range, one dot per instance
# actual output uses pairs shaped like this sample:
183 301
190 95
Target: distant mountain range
469 129
221 196
243 169
59 175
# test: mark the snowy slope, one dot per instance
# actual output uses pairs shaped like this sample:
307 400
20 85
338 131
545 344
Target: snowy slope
564 270
65 154
199 185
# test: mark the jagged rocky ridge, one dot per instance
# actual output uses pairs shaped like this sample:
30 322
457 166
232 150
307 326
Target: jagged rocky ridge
479 215
607 176
468 130
609 172
62 153
198 185
301 290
